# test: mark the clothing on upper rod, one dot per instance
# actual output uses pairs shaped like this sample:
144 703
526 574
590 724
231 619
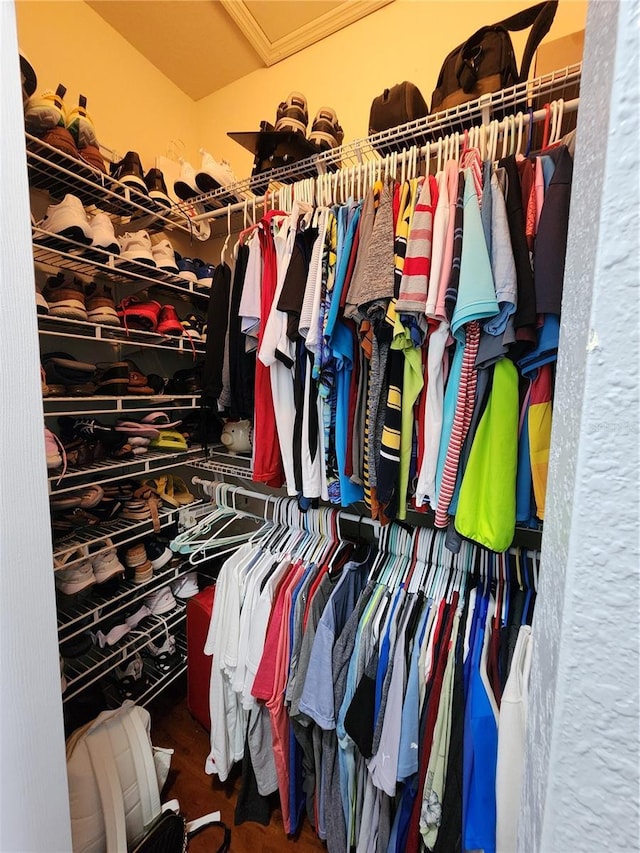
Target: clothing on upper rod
376 681
405 345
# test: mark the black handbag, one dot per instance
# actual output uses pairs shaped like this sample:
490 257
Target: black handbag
170 833
397 105
486 61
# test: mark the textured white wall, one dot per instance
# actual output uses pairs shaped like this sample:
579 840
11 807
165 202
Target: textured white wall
581 774
34 807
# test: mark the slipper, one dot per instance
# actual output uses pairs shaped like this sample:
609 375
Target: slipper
62 503
160 419
169 439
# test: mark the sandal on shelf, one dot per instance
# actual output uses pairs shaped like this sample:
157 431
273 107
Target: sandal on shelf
180 491
135 428
165 656
163 488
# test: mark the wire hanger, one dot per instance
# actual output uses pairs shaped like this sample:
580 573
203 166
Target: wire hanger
226 242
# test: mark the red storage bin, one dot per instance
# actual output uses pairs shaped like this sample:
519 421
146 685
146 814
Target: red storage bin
199 609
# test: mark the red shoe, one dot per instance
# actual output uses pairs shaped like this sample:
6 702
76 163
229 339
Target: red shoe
139 315
169 322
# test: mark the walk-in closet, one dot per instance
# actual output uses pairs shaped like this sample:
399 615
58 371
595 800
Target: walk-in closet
319 495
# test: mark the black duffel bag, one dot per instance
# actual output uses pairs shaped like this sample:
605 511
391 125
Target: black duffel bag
486 61
397 105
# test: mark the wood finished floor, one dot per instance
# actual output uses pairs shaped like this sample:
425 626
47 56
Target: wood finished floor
173 726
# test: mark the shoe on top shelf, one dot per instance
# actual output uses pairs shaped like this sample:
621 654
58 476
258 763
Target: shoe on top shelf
68 218
213 175
155 183
46 111
186 187
292 114
80 126
136 246
164 256
65 298
326 132
29 78
129 171
101 308
103 235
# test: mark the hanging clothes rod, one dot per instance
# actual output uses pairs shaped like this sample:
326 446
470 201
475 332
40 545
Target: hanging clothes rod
210 487
504 126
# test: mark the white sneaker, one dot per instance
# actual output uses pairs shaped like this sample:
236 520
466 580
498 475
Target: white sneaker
186 187
76 578
164 256
69 219
106 563
137 247
213 175
103 234
186 586
161 601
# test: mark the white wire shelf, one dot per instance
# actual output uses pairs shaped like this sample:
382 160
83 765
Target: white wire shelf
91 667
57 252
111 470
120 531
74 617
118 405
61 327
58 173
532 94
225 464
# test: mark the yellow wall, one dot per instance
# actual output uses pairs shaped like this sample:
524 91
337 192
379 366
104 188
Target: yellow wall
406 40
133 105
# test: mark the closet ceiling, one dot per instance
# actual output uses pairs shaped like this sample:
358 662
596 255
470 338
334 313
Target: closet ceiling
203 45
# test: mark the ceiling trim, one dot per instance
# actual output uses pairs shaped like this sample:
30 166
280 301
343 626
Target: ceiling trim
327 24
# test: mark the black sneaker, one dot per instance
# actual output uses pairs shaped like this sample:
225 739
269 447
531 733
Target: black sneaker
129 171
157 552
154 180
292 114
326 132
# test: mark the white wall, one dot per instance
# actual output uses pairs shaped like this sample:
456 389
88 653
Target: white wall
581 778
34 808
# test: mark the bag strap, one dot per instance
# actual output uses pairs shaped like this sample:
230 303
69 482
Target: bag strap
194 826
106 775
144 764
538 17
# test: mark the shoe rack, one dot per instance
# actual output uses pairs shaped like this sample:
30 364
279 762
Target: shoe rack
56 174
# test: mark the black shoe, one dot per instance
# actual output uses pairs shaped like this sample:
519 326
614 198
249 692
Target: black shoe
154 180
129 171
157 552
326 132
292 114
